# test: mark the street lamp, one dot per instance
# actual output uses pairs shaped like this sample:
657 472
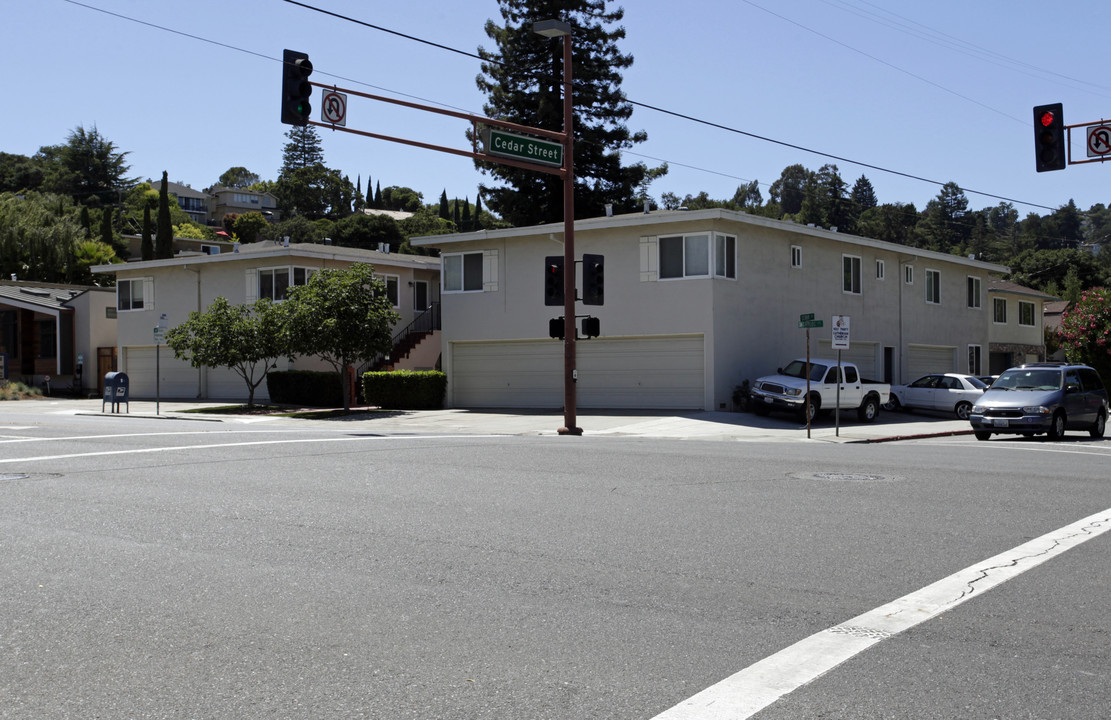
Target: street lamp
551 29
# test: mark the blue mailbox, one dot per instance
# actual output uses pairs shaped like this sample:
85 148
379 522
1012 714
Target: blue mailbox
117 388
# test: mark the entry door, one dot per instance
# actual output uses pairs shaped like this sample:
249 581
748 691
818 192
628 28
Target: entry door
105 363
420 296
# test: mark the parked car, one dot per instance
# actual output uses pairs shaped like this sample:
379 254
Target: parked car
987 379
945 392
1042 398
787 390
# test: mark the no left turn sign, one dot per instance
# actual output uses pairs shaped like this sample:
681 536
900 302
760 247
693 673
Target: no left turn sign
1099 140
333 108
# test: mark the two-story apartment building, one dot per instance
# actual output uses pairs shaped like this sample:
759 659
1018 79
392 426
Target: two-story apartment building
1016 332
191 281
695 303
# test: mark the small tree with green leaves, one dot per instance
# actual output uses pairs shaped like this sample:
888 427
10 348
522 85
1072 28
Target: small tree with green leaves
341 316
246 338
1085 332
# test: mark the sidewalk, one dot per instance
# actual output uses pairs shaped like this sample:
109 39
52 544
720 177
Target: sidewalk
595 423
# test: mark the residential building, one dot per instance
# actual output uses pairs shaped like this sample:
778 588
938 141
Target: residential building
696 302
224 200
193 202
1016 334
190 282
180 245
66 333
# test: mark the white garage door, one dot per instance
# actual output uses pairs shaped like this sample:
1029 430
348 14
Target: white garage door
926 359
179 379
660 373
861 354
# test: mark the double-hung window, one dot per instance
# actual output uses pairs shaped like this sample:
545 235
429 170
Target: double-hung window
999 311
274 282
973 292
1026 314
131 294
392 283
933 287
850 274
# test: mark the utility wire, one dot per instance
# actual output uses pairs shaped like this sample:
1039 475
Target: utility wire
646 106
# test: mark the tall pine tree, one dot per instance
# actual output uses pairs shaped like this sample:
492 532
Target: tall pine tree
303 150
164 234
522 79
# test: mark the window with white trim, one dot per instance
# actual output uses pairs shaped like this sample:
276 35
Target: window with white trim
274 282
881 270
999 311
933 287
796 256
135 294
975 354
973 292
908 275
392 283
850 274
725 256
690 256
1026 314
463 272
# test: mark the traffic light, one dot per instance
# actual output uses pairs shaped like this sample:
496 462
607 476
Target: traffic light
555 328
296 90
594 276
1049 137
592 327
553 281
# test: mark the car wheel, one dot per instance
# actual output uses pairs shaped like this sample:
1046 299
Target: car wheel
1057 428
982 434
815 408
1099 426
891 405
868 410
964 409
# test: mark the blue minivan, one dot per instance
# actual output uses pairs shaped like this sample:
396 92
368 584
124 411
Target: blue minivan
1042 398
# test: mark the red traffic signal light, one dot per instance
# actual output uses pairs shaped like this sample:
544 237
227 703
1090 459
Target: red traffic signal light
553 280
1049 137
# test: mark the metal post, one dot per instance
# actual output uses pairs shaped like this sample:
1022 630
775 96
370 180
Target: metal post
570 401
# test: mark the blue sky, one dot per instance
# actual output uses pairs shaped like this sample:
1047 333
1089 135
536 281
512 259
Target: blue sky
942 90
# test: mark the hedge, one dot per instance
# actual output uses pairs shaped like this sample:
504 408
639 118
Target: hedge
405 390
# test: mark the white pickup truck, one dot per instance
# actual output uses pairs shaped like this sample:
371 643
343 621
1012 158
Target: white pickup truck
786 390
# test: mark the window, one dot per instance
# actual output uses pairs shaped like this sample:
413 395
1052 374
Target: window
881 270
1026 313
975 353
687 256
130 294
725 256
463 272
973 292
850 282
999 311
392 283
796 256
274 283
8 334
48 338
908 274
933 287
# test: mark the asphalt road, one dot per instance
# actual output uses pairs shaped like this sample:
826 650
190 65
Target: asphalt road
203 570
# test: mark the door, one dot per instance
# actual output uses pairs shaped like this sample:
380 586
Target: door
921 392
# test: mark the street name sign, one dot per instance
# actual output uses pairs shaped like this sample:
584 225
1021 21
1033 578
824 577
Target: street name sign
521 147
810 324
806 316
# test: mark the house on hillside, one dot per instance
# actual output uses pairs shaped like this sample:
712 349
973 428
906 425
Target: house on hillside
191 281
695 303
63 332
223 200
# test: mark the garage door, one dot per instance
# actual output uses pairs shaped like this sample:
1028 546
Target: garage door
226 384
660 373
861 354
926 359
179 379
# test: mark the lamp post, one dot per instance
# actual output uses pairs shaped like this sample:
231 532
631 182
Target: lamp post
550 29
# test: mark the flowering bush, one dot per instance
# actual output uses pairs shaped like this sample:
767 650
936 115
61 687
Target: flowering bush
1085 332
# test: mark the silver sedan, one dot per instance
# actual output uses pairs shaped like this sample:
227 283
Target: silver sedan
945 392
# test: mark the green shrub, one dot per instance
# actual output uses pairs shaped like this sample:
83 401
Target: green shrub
405 390
305 387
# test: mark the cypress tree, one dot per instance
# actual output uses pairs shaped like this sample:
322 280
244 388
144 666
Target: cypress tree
146 248
164 237
444 212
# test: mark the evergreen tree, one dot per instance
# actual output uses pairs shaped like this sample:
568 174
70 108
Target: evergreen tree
522 80
164 235
378 196
467 215
146 247
478 212
303 150
106 234
863 194
444 212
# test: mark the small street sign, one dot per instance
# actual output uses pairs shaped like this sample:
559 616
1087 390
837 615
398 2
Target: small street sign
840 332
806 316
1099 140
810 324
520 147
333 108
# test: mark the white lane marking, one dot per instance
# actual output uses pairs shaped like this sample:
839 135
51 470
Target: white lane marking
285 441
746 693
39 438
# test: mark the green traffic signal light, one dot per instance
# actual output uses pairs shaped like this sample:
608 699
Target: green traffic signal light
296 88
